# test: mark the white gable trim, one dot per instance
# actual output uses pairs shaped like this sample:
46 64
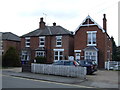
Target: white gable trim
88 17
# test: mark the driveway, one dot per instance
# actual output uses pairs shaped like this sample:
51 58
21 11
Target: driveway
103 79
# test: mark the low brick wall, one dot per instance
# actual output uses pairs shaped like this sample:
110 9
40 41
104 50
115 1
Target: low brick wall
70 71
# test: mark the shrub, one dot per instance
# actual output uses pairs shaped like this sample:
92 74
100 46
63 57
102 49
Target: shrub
40 59
11 58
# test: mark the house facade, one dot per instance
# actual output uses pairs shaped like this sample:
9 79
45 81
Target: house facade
9 40
91 41
53 42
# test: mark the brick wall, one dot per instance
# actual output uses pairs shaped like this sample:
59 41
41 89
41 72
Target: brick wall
7 44
50 44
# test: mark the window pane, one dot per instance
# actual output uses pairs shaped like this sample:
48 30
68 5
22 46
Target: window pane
56 57
61 57
42 43
89 38
56 53
58 43
94 38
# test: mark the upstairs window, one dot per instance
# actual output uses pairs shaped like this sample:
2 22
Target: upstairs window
42 41
27 42
91 38
58 41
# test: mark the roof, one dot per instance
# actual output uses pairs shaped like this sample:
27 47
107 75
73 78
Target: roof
49 30
90 22
10 36
91 48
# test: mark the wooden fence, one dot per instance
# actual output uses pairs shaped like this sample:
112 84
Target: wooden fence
112 65
70 71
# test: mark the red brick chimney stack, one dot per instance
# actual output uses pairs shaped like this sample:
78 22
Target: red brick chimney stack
104 22
54 24
41 23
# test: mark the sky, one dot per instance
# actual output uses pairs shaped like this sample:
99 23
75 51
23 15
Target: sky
23 16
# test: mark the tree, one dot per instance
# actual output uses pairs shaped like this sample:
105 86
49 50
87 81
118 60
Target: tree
114 49
118 53
11 58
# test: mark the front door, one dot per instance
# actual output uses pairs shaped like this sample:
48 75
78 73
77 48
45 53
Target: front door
77 56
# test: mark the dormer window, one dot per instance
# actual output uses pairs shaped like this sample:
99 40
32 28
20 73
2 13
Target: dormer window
91 38
58 41
42 41
27 42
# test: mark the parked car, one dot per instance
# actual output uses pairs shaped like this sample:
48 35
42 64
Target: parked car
66 62
89 64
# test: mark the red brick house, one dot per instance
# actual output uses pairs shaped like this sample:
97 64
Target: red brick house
53 42
9 40
91 41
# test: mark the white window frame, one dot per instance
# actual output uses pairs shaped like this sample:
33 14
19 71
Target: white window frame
58 55
27 42
38 53
58 40
96 58
41 37
24 54
91 38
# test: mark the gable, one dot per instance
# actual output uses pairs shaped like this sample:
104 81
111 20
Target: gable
88 21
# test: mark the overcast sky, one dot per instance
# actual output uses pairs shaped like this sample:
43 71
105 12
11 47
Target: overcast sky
22 16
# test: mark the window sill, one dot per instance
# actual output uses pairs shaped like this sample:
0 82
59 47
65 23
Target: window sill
91 45
58 45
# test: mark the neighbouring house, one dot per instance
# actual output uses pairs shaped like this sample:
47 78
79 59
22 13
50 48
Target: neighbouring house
91 41
53 42
9 40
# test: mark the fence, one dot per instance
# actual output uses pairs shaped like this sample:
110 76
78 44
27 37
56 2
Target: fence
112 65
70 71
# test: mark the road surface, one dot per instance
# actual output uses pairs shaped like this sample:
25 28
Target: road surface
19 82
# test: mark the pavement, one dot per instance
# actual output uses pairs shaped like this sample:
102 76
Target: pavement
100 79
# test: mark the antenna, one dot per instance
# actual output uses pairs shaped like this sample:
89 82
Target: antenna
45 15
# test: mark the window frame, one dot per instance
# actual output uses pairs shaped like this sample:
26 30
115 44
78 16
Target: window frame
40 41
58 40
27 42
91 38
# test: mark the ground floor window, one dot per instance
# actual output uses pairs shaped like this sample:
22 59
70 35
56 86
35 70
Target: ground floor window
40 53
91 55
25 56
58 55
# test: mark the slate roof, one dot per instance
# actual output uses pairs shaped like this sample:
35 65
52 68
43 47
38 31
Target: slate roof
49 30
10 36
91 48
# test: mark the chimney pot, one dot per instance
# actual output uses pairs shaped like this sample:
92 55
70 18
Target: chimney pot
54 24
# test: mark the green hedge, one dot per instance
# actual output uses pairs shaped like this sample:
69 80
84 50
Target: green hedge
40 59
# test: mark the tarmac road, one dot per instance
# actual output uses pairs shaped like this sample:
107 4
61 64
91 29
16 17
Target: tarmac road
19 82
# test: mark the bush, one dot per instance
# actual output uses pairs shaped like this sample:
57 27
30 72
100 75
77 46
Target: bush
40 59
11 58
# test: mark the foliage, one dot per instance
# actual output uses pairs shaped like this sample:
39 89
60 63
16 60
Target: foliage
40 59
118 53
11 58
114 48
